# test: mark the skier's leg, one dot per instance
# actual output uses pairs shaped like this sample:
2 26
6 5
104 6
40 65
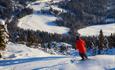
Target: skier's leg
82 56
85 56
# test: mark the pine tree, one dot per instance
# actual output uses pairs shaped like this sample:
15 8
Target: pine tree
112 40
2 42
101 42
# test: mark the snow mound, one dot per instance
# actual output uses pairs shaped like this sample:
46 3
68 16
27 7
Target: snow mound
22 51
94 30
2 22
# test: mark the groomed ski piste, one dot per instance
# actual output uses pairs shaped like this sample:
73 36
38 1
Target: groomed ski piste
21 57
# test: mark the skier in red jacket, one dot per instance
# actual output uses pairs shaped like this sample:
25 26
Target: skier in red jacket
80 46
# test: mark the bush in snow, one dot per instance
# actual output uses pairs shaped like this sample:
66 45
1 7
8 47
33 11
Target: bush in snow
57 48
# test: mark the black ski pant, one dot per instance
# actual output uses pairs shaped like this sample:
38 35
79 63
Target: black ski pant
83 56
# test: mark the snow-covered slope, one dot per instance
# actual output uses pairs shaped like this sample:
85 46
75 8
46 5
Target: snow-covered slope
94 30
15 51
40 21
99 62
21 57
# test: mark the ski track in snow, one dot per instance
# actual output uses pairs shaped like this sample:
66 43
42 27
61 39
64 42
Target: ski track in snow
99 62
40 60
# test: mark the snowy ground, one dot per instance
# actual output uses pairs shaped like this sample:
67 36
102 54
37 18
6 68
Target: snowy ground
25 58
99 62
17 51
94 30
21 57
40 21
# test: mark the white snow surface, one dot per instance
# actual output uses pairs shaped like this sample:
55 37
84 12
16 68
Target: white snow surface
2 22
40 21
16 51
39 60
94 30
99 62
54 7
21 57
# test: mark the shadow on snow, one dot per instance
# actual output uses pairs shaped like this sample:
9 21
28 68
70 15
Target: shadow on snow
112 69
19 61
47 67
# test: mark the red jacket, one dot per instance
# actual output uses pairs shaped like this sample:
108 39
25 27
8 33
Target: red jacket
80 46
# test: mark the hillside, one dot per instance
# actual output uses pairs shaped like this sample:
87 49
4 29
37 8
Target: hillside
21 57
40 21
94 30
43 35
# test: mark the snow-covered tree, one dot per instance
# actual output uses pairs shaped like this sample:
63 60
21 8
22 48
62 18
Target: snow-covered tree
2 42
101 42
3 36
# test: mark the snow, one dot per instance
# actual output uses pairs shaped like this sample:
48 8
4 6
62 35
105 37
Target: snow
99 62
2 22
94 30
57 8
21 57
16 51
35 59
55 48
44 0
40 21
